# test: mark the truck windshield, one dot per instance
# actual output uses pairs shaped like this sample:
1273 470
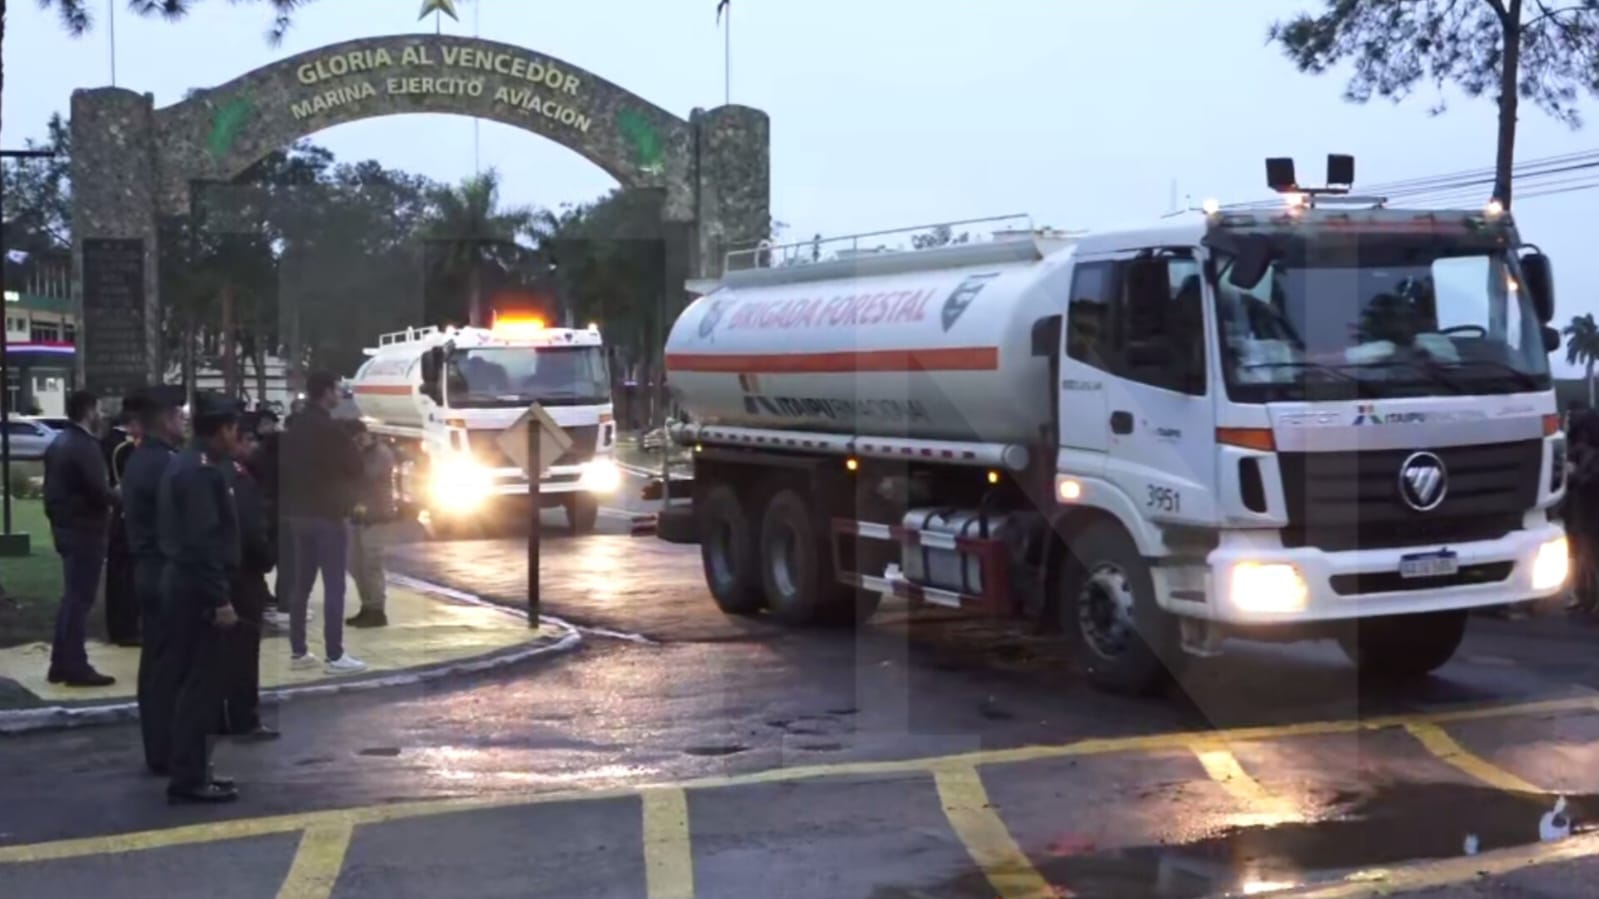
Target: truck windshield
486 377
1378 318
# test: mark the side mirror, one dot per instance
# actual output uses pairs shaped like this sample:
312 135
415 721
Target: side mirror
1539 280
1551 339
1046 336
432 364
1251 262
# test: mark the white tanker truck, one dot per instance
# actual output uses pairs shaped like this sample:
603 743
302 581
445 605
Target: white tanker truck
1322 419
444 397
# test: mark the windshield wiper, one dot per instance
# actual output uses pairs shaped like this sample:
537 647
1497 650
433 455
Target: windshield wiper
1526 380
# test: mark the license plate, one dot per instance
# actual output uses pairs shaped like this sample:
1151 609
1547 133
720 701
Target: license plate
1439 564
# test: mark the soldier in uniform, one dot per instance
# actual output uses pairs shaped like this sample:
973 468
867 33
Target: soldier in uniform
242 701
121 603
199 532
161 416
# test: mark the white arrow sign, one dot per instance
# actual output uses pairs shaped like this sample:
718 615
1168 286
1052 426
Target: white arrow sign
553 441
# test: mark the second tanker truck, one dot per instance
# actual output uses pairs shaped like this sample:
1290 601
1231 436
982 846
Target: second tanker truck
444 396
1327 419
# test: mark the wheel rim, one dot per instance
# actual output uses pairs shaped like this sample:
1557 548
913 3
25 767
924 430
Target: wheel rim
1105 611
781 550
721 547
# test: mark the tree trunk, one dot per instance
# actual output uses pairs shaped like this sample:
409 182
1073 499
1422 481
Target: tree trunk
1509 100
1590 382
230 344
474 291
188 362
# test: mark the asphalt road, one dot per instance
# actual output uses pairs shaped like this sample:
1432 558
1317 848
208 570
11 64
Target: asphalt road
680 752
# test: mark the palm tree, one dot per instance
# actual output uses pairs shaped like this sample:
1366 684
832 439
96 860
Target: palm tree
472 227
76 16
1582 345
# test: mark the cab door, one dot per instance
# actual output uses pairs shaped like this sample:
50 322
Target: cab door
1086 366
1160 418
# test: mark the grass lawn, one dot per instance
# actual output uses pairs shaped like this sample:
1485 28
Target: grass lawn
32 583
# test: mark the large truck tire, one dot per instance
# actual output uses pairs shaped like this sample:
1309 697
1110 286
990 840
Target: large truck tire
1122 640
728 553
582 513
1403 647
797 567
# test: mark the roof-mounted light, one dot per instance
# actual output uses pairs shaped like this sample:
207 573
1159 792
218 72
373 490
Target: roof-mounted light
1494 208
1211 206
517 326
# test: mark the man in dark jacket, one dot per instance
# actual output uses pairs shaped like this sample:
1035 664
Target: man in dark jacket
162 419
374 508
78 500
242 702
121 604
198 523
320 470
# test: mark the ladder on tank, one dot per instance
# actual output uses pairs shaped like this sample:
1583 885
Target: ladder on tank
952 244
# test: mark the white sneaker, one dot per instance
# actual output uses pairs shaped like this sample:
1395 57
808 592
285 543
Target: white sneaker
345 664
303 663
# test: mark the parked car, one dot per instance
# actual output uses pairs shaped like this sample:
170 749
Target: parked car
29 438
56 424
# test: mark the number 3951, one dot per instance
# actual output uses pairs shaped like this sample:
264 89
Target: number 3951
1164 499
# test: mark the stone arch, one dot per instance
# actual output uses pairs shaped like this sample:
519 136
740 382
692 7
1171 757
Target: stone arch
132 162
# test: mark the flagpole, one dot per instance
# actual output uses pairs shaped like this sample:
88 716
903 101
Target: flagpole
477 163
727 59
111 32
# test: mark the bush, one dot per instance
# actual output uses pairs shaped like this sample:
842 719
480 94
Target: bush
26 486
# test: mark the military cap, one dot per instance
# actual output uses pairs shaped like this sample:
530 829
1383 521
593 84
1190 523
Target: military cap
215 406
162 397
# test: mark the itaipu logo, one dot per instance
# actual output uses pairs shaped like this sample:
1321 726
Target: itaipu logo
1367 414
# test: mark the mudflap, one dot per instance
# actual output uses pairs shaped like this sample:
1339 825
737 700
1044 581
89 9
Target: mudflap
677 524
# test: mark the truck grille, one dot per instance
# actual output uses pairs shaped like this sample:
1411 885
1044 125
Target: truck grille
486 447
1350 500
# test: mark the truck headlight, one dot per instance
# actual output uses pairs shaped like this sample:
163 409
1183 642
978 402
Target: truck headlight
1268 588
460 485
600 476
1551 565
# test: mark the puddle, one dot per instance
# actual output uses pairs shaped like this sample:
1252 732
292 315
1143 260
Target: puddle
1390 826
380 751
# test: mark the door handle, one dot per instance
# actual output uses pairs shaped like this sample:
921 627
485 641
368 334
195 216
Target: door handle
1121 422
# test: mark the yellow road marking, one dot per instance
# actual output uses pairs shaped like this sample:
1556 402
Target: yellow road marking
668 855
1447 749
965 801
318 861
253 827
1223 768
1473 868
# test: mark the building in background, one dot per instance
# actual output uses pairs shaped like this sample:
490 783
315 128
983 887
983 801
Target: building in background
41 333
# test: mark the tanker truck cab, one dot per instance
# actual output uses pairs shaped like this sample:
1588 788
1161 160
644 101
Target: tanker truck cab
446 396
1320 419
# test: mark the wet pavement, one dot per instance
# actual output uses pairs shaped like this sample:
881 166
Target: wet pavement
928 755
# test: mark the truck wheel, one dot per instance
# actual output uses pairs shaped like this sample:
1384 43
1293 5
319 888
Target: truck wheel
1122 639
582 513
796 569
1401 647
727 552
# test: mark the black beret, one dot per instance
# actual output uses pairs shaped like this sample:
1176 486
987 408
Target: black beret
162 397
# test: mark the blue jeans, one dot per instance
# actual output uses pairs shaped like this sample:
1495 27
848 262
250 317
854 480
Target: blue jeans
320 546
82 559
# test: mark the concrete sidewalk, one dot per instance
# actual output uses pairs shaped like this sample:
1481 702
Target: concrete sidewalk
426 632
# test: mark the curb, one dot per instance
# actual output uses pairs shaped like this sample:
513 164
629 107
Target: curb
56 717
